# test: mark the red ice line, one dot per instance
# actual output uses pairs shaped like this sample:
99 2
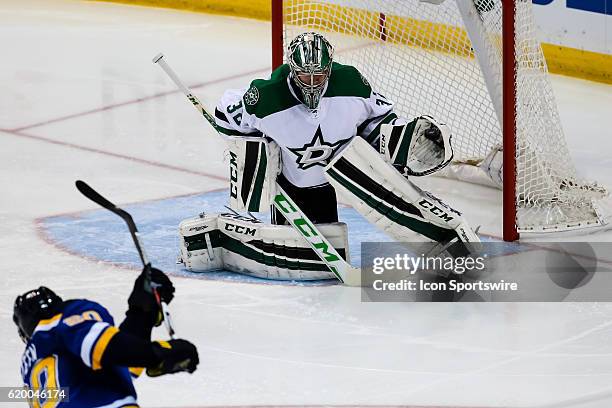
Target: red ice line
117 155
130 102
20 130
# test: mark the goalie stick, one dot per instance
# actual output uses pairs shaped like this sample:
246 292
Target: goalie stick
345 273
97 198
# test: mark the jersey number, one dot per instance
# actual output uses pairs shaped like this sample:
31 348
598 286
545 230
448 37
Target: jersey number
381 99
80 318
44 376
233 108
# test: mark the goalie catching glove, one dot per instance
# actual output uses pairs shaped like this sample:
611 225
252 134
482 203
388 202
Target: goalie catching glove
418 148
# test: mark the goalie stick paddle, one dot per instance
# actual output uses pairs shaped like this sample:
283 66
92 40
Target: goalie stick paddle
97 198
320 245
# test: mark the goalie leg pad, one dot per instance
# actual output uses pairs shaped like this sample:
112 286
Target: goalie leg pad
254 164
390 201
248 246
198 248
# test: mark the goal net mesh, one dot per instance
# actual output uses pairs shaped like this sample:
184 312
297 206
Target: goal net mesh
445 60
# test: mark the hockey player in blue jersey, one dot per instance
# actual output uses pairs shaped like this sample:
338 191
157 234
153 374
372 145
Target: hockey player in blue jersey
74 344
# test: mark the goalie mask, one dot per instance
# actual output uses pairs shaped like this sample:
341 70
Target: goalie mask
310 60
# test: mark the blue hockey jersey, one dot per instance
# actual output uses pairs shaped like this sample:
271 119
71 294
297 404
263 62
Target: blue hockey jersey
66 351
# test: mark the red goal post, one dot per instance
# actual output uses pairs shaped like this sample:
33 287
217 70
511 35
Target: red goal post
510 230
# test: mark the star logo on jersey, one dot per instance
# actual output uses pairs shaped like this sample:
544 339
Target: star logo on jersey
251 96
318 152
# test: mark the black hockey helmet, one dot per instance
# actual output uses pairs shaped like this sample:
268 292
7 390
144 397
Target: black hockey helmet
32 307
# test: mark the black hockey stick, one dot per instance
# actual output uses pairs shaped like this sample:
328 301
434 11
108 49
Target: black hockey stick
97 198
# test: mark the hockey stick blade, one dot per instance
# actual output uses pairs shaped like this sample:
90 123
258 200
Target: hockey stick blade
97 198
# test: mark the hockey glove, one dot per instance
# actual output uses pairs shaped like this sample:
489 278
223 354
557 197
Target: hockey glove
174 356
418 148
143 300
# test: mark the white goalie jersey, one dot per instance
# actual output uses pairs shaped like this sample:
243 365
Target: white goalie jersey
308 142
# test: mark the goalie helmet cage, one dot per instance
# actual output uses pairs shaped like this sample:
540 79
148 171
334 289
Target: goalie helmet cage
474 64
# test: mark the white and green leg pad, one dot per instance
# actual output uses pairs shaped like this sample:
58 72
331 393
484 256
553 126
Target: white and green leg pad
387 199
246 245
254 164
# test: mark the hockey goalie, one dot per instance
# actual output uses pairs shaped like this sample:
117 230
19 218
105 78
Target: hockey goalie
317 128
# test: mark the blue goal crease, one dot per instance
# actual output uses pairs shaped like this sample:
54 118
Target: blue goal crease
100 234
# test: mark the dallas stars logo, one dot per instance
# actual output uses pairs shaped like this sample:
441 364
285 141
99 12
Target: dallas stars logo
318 152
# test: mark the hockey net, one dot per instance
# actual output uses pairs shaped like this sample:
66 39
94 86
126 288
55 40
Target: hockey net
445 60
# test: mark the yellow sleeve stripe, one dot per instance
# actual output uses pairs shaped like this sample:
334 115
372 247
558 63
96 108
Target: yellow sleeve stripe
48 324
100 347
164 344
136 371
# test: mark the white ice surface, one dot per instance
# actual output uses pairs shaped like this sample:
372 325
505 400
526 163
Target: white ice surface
258 344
